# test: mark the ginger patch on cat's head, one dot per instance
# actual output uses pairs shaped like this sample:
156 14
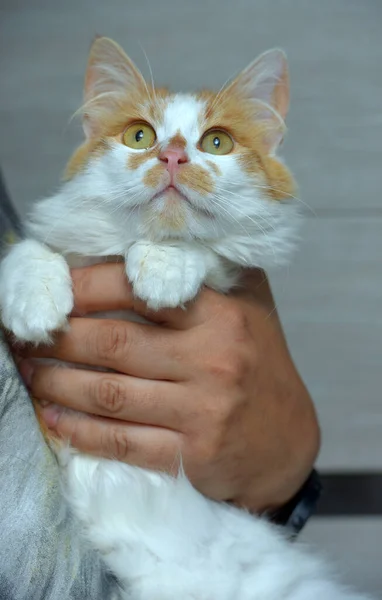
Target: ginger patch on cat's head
253 109
199 162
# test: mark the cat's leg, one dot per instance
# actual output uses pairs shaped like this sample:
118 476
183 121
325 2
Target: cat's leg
35 291
116 506
164 540
169 275
152 530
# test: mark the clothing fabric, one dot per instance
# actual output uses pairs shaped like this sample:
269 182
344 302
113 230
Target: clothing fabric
42 555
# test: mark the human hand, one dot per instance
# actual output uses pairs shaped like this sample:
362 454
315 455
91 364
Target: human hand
214 383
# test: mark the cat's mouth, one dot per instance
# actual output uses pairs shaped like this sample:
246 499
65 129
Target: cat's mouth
174 198
172 195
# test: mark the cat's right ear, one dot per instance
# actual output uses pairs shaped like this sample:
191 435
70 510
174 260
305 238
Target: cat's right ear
110 74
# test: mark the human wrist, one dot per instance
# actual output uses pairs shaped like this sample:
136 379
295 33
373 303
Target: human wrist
275 488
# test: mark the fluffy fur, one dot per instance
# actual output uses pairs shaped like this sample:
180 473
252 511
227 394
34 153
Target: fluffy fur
177 228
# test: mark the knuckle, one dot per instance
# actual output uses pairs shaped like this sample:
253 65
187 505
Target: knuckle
111 339
82 282
221 420
238 368
231 369
43 380
110 394
72 431
231 360
211 437
207 450
236 318
117 444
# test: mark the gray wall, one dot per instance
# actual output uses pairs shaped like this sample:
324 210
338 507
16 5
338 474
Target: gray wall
330 299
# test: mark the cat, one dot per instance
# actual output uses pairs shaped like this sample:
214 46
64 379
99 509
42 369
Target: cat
188 189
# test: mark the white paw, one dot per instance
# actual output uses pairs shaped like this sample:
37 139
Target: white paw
165 276
35 292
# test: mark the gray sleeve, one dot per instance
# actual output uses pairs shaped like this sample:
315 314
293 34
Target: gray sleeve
42 557
9 219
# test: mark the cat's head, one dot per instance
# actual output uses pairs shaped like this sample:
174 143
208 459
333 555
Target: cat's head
196 165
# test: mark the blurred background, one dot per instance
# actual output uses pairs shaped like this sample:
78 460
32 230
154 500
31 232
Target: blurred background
330 299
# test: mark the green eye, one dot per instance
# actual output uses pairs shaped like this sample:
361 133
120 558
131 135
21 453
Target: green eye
216 142
139 136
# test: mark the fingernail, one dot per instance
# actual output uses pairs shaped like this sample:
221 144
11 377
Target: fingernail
26 369
51 414
43 403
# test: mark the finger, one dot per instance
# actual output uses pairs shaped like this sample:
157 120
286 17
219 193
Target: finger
140 445
107 394
210 305
205 307
135 349
105 288
101 287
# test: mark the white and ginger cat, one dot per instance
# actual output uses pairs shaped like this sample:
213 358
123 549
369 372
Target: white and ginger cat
188 190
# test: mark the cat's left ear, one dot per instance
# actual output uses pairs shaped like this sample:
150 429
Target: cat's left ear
266 80
110 76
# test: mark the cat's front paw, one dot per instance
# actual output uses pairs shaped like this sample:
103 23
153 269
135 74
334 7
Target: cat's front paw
165 276
35 292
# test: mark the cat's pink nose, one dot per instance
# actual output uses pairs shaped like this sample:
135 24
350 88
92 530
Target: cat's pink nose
174 157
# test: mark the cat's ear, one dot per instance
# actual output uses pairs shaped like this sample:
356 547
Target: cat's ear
266 80
110 74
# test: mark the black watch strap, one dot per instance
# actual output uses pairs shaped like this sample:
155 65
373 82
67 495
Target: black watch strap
300 508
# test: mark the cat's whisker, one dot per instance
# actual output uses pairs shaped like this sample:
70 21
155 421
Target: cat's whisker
224 200
123 206
67 211
151 73
288 195
222 207
244 214
138 207
93 101
282 192
257 225
91 205
252 220
124 195
219 96
222 91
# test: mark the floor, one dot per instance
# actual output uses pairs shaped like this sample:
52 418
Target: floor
330 299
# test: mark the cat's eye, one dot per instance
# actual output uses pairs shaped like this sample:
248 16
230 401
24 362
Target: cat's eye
139 136
216 141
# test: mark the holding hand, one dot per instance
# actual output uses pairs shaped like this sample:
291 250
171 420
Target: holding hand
214 383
